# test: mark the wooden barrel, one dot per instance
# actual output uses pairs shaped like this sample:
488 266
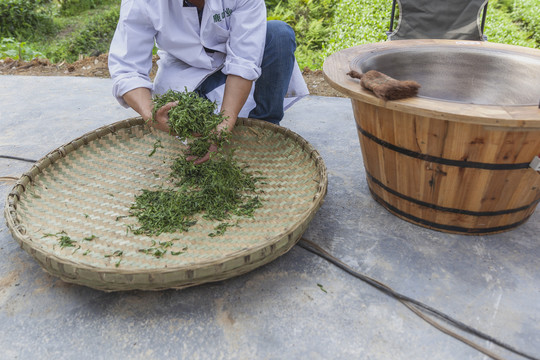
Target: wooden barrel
459 168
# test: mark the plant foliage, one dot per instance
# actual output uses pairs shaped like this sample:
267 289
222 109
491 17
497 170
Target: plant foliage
217 188
502 26
92 39
10 48
358 22
22 19
311 21
67 29
526 13
75 7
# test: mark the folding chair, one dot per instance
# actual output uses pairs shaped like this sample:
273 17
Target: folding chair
438 19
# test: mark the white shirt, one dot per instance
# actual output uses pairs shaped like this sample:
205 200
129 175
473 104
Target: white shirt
234 29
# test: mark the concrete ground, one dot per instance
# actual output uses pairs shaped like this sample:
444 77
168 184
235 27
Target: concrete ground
297 307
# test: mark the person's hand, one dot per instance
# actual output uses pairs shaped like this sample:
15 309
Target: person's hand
213 147
197 161
161 118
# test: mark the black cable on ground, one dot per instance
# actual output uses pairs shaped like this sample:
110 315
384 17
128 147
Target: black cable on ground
416 306
17 158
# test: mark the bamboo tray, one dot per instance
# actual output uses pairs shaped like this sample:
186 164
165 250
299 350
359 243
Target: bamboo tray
85 188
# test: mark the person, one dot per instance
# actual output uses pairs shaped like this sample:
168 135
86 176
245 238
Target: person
225 50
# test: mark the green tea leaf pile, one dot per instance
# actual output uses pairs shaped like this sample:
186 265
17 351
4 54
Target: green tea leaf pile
193 119
218 188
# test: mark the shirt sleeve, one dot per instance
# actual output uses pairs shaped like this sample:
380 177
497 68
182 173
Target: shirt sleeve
130 54
245 46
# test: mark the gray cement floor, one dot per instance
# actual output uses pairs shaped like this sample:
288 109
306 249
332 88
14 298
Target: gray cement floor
277 311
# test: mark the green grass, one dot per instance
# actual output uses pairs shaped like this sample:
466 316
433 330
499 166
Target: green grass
503 27
527 14
366 21
358 22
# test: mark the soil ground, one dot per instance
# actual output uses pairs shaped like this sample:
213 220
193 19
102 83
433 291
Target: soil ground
96 66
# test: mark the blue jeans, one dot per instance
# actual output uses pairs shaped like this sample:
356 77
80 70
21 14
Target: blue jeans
276 70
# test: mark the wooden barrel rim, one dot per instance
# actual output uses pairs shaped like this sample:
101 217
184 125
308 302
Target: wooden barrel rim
336 67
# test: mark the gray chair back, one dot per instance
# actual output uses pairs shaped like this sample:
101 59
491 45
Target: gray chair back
439 19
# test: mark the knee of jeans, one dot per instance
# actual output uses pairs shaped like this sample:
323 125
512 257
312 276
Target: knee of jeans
280 31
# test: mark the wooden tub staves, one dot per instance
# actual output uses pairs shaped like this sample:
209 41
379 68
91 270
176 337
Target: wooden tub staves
456 166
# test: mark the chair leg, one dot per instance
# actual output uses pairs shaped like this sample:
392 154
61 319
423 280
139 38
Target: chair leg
484 20
392 18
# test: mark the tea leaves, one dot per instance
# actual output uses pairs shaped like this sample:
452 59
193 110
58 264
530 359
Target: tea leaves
217 189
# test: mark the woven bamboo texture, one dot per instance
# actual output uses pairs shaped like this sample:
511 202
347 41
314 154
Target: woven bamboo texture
85 188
